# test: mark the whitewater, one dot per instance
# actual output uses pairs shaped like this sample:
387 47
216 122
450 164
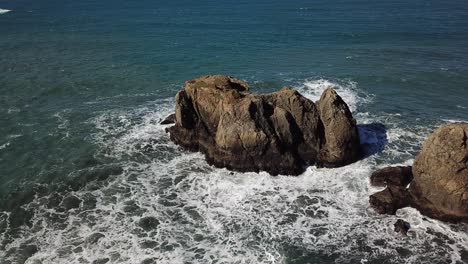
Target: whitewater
202 214
4 11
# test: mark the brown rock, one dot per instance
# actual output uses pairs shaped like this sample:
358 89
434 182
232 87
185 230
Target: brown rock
341 135
440 185
389 200
396 176
280 132
169 120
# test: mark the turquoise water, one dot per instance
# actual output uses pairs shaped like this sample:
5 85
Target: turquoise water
83 84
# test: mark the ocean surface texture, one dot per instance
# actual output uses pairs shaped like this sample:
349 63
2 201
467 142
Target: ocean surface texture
84 84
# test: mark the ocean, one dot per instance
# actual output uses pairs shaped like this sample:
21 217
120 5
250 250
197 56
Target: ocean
84 84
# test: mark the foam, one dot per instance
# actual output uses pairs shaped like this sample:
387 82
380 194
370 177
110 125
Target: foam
4 146
4 11
454 121
313 89
208 214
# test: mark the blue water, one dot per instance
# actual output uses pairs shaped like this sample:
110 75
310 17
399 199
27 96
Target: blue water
84 83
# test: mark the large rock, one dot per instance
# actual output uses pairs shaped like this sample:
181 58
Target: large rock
280 132
439 188
440 185
341 145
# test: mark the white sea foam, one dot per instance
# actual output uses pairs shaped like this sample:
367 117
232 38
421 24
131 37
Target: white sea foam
4 146
4 11
212 215
13 110
454 121
314 88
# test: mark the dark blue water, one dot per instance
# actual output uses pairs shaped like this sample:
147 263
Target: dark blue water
84 83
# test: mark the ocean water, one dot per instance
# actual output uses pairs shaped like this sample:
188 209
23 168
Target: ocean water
84 84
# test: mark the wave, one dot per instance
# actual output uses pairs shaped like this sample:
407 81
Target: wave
4 11
454 121
168 205
313 89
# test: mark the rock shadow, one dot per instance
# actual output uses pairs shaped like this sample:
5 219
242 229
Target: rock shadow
373 138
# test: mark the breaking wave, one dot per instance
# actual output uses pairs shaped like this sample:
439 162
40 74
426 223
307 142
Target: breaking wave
4 11
169 206
314 88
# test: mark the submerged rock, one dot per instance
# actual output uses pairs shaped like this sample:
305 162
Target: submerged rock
341 136
280 132
389 200
440 185
401 227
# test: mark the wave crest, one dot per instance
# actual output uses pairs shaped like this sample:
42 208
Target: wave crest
4 11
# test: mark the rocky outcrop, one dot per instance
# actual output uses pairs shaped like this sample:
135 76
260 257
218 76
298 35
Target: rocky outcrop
390 200
440 185
393 176
341 144
168 120
439 188
395 196
280 132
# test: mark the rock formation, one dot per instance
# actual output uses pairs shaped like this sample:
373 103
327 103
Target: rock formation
280 132
393 176
395 196
341 138
440 185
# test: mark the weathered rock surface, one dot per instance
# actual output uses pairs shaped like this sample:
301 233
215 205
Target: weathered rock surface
169 120
396 176
440 185
341 144
280 132
390 200
395 196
